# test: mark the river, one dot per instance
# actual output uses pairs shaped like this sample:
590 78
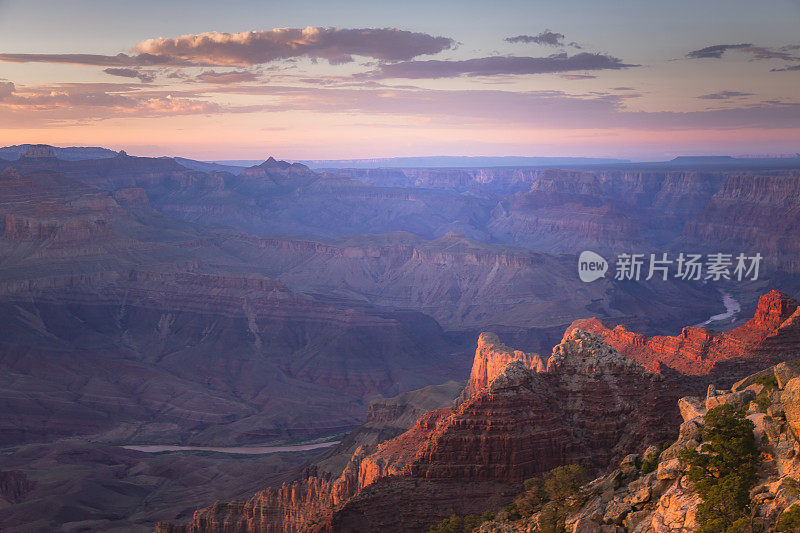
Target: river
242 450
732 309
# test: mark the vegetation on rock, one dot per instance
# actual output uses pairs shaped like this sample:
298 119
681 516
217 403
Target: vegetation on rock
457 524
552 495
724 470
790 519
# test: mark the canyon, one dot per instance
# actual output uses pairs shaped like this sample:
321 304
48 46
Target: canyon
165 301
517 417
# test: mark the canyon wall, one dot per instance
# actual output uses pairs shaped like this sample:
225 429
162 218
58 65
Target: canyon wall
770 336
589 405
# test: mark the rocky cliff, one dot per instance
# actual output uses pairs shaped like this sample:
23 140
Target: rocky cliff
589 405
652 493
772 335
470 285
753 213
474 180
123 323
491 359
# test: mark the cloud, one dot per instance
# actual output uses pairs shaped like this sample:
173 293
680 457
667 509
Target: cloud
756 52
723 95
6 89
119 60
547 38
336 45
715 51
497 65
786 69
210 76
530 109
761 52
143 76
69 104
578 76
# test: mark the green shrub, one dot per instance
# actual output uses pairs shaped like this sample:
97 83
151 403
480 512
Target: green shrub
763 401
457 524
550 495
768 380
648 466
740 526
724 470
790 519
791 486
512 511
454 524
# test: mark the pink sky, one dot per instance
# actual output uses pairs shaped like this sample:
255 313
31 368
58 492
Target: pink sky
448 88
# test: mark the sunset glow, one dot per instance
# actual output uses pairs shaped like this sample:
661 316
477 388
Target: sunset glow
514 78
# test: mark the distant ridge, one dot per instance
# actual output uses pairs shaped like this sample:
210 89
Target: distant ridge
703 159
70 153
459 161
205 166
235 166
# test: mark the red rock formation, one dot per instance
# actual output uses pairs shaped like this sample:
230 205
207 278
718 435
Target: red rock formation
491 359
771 336
590 405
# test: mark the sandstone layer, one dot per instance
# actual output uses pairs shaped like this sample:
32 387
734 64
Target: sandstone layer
772 335
589 405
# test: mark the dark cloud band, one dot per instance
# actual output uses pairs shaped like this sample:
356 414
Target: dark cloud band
547 37
715 51
499 65
336 45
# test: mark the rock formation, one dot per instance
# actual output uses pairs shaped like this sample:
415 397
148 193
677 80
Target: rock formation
772 335
120 321
589 405
491 359
663 499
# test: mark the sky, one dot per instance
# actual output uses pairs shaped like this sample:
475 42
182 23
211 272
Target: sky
640 80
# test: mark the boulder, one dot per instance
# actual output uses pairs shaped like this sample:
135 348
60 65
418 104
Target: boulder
691 407
630 465
776 410
635 518
750 380
690 430
669 469
737 399
791 404
772 429
584 525
784 372
651 454
616 511
639 495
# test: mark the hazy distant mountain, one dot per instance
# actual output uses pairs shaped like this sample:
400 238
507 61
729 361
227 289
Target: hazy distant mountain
205 166
71 153
459 161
